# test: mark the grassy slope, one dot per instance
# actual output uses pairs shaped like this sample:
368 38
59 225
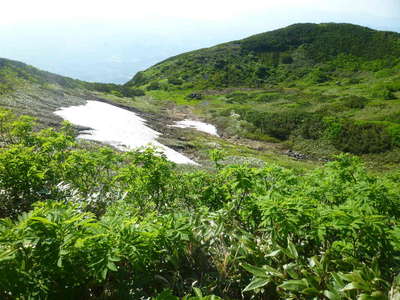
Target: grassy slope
28 90
305 71
276 56
258 91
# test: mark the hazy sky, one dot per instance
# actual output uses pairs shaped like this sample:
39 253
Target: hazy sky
110 41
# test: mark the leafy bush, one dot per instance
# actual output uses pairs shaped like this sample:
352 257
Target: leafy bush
139 79
355 102
317 76
278 125
394 132
136 92
154 85
132 226
175 81
359 137
237 97
267 97
286 59
383 92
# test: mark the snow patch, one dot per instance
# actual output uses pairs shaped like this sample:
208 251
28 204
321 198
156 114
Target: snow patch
118 127
198 125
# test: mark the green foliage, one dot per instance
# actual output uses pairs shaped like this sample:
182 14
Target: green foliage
276 124
14 74
383 92
40 165
315 53
394 131
115 89
155 85
80 223
8 81
313 235
317 76
360 137
175 81
237 97
152 173
326 40
355 102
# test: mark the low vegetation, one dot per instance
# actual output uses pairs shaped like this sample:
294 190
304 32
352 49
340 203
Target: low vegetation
316 53
81 222
315 88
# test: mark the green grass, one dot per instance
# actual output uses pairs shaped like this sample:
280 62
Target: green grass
328 98
180 97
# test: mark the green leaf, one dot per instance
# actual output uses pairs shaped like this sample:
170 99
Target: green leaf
79 243
104 273
331 296
111 266
274 253
366 297
256 271
294 285
310 292
292 250
290 269
59 262
43 220
7 255
198 292
114 258
352 286
256 283
272 271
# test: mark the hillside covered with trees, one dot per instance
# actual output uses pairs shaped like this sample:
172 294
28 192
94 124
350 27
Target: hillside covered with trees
284 55
320 89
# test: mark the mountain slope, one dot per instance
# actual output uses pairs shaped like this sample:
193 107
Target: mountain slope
285 54
315 89
28 90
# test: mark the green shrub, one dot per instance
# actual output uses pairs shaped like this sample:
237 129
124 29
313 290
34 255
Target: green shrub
355 102
278 125
154 85
286 59
117 93
394 132
313 127
136 92
139 79
385 73
267 97
175 81
317 76
236 231
383 92
393 117
359 137
262 72
238 97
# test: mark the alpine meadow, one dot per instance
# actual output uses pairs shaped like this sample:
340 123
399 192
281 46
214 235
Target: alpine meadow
295 196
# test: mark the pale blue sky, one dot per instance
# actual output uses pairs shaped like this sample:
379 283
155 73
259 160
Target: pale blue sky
110 41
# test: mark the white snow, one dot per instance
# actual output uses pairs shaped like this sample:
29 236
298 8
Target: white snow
118 127
198 125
